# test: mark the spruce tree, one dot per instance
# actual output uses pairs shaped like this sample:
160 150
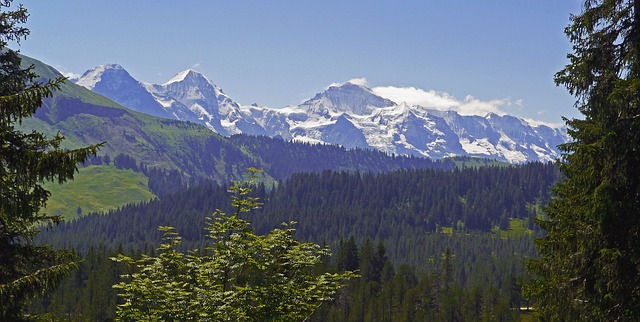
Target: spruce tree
589 263
27 160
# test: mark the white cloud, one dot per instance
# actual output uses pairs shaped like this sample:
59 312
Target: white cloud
356 81
443 101
70 75
416 96
538 123
519 103
474 106
66 73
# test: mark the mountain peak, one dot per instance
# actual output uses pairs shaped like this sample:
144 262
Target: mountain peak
358 81
93 76
114 82
188 75
111 66
352 96
353 84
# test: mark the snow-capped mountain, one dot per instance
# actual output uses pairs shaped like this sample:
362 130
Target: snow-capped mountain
346 98
348 114
353 116
114 82
188 96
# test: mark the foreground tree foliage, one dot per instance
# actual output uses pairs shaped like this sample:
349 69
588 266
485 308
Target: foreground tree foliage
589 264
26 161
241 276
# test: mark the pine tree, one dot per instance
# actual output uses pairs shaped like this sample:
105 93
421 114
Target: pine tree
26 161
589 263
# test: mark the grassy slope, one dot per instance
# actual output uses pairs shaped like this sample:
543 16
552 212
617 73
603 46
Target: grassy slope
474 162
517 227
95 189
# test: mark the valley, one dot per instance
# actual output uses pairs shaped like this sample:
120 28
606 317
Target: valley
435 184
167 165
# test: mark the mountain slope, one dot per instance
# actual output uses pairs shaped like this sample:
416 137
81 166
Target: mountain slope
84 117
353 116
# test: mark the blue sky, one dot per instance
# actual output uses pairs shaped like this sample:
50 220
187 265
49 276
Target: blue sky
469 55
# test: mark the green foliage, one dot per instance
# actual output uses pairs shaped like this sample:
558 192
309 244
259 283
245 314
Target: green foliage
515 228
384 294
240 276
27 160
589 263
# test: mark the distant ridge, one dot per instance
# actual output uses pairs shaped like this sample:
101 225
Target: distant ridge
348 114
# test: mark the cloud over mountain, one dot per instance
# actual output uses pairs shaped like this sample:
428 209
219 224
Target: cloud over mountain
442 101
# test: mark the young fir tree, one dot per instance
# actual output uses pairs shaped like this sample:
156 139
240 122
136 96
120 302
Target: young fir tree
26 161
589 263
241 276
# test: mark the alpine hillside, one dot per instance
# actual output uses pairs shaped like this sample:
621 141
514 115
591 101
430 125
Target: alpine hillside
183 146
349 114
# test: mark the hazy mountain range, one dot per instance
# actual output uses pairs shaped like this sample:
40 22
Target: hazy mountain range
349 114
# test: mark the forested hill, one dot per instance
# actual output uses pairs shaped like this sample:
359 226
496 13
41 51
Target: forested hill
398 208
283 158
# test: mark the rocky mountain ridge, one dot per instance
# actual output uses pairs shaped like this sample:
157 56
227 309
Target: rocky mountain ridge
348 114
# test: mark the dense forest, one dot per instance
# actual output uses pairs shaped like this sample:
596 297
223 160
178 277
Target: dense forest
332 205
475 225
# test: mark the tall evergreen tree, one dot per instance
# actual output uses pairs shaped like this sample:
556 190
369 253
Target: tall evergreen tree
26 161
589 263
347 258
